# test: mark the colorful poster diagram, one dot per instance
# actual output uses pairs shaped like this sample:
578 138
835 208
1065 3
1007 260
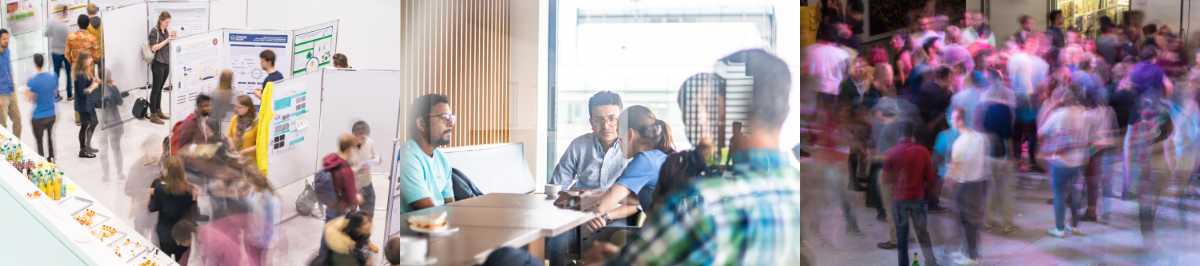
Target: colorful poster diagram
24 16
288 124
313 48
244 48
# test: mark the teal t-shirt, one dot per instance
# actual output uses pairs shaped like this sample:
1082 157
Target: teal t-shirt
422 176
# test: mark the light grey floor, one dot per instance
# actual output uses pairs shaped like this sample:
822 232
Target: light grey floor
1118 242
125 192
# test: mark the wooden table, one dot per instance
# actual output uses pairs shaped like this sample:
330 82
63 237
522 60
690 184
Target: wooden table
495 220
471 245
508 201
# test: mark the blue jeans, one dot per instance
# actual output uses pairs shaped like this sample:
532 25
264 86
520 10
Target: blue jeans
915 210
60 62
510 256
1063 184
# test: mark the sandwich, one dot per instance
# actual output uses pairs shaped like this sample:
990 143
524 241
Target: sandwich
434 222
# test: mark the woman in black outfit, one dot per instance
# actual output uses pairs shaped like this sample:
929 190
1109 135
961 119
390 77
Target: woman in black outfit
85 103
173 198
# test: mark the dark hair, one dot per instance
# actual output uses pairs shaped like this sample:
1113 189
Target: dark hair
391 251
929 44
772 86
1147 53
653 132
828 32
421 109
1024 18
183 230
360 127
354 220
3 32
83 21
202 98
1149 29
908 129
604 98
39 60
267 55
1052 16
980 56
942 73
984 30
340 60
95 21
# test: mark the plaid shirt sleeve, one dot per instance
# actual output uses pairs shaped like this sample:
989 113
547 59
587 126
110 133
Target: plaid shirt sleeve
678 231
752 220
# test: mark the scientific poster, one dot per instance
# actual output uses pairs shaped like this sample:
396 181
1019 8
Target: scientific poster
196 66
24 16
74 9
187 18
244 47
314 47
287 129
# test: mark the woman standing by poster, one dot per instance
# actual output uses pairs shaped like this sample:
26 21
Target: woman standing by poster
159 41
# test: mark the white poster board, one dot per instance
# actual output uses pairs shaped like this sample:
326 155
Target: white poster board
296 105
74 9
360 88
187 18
195 67
313 48
124 35
243 49
24 16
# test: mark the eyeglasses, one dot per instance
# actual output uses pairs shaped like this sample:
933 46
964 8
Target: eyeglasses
603 119
448 117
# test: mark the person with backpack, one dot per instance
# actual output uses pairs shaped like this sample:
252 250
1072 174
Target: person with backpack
193 129
335 182
43 91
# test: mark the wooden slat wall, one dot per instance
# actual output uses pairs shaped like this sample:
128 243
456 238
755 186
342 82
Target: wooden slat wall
459 48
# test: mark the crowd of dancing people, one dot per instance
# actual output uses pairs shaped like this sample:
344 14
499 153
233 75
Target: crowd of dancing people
946 112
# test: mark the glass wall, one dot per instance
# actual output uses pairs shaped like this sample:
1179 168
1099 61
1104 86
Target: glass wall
645 50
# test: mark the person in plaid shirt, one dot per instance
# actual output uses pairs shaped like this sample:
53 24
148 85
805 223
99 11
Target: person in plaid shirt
752 218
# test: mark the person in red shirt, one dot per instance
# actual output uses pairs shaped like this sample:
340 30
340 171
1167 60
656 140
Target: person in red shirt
909 168
343 176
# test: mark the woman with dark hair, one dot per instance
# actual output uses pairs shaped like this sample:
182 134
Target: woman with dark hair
647 141
347 241
159 41
85 103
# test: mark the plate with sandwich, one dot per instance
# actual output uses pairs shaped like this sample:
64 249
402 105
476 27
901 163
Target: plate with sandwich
433 224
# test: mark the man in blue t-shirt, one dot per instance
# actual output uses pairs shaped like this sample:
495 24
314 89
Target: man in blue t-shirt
266 59
425 178
43 92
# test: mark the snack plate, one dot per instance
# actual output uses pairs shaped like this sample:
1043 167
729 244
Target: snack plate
98 219
74 204
128 248
110 239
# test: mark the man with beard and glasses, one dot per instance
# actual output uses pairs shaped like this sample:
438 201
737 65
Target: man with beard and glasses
425 173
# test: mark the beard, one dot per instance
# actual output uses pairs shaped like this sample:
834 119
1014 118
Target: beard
441 140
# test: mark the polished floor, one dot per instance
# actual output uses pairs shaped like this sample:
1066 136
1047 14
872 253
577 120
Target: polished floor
1116 242
124 186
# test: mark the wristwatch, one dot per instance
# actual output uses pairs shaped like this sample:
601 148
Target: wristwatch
605 216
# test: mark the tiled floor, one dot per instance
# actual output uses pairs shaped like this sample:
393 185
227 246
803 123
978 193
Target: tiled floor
127 192
1118 242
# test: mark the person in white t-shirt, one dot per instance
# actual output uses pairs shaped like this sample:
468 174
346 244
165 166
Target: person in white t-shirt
970 172
826 65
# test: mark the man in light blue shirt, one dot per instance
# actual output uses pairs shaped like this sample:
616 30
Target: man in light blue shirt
8 102
593 161
425 175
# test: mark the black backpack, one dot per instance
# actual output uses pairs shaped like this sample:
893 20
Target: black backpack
463 187
141 108
327 192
